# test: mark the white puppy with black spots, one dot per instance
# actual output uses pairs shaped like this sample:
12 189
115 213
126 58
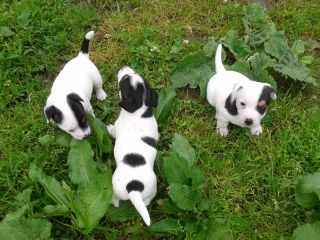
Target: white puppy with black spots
135 150
237 99
69 100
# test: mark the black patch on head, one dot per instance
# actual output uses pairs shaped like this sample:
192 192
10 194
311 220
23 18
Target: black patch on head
135 185
54 113
74 101
231 106
134 160
264 100
151 96
131 97
150 141
148 113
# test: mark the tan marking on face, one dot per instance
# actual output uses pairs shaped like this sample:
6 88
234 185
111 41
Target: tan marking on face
82 120
262 103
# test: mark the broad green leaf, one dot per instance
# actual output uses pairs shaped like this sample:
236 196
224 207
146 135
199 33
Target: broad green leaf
169 207
57 210
176 169
211 47
16 215
287 61
257 26
102 135
298 47
308 190
307 232
105 113
182 146
167 225
50 185
165 103
307 60
184 196
194 69
81 165
217 229
197 177
124 212
200 232
242 67
92 201
237 46
5 31
29 229
63 140
44 139
24 197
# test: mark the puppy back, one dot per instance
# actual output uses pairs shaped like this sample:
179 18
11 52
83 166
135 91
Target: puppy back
218 61
85 43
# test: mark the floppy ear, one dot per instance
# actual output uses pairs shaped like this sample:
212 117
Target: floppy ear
53 113
128 104
151 99
75 97
132 99
236 88
74 102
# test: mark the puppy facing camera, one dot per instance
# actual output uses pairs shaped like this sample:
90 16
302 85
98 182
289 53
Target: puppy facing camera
237 99
69 100
136 134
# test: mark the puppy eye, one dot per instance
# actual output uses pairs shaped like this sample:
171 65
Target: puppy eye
263 108
242 104
72 130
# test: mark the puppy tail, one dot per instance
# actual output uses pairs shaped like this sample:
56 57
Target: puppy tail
137 201
85 44
218 60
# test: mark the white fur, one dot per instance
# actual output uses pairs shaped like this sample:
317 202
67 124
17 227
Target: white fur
128 130
243 90
78 76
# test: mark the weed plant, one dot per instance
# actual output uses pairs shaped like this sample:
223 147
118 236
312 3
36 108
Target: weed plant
249 183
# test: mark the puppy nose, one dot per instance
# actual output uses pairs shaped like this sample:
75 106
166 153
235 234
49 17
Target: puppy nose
248 121
85 136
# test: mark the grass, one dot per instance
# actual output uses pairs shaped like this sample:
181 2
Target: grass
250 180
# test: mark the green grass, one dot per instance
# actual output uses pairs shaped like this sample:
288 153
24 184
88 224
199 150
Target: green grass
250 180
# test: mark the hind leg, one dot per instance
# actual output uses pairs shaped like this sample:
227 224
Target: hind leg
97 85
115 200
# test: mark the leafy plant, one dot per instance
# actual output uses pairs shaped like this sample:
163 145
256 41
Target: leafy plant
188 207
307 196
165 103
260 49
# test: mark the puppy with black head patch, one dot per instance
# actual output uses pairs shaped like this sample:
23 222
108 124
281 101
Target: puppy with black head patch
135 150
237 99
69 100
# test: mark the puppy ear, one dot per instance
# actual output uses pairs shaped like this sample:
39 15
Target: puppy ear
151 99
53 113
128 104
75 97
236 87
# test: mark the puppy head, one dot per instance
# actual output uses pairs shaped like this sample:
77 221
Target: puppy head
135 91
249 102
70 116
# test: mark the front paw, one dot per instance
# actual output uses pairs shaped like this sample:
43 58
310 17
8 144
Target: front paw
101 95
110 128
223 131
256 130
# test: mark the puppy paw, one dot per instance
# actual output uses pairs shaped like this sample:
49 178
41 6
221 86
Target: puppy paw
256 130
101 95
223 131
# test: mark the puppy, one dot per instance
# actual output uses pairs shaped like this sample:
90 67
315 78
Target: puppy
69 100
135 150
237 99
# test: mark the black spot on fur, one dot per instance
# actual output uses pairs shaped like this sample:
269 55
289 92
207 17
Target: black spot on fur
134 160
135 185
74 101
150 141
54 113
148 113
231 106
85 46
151 96
265 97
131 97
